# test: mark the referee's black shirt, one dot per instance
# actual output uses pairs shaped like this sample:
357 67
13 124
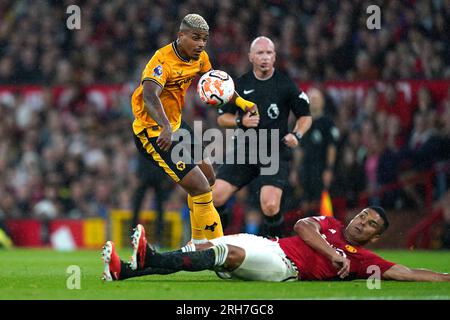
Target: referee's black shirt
275 97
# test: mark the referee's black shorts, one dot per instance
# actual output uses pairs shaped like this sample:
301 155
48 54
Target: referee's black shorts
240 175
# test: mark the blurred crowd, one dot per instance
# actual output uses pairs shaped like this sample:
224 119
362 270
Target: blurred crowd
68 157
325 40
386 141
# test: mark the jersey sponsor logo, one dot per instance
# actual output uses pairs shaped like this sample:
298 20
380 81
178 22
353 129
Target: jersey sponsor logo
179 84
157 72
180 73
181 165
350 249
248 91
332 231
304 97
273 112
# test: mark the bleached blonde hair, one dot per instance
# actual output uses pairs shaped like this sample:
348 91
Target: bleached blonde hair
194 21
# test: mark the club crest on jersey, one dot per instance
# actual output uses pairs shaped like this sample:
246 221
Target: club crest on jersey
157 72
181 165
273 112
350 249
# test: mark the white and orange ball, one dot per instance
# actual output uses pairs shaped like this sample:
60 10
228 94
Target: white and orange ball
215 88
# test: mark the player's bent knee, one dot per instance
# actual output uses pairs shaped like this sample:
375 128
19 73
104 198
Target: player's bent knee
270 208
235 257
195 183
219 198
222 192
208 170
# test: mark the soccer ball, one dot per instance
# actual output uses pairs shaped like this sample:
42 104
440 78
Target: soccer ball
215 88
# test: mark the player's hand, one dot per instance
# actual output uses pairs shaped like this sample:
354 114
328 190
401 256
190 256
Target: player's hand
342 265
164 140
290 140
250 121
253 110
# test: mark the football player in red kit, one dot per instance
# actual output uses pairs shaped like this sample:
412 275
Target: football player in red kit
322 249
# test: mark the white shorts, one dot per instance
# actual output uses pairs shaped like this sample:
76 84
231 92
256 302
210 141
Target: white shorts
264 259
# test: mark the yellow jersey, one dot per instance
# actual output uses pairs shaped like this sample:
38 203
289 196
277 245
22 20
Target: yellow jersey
174 74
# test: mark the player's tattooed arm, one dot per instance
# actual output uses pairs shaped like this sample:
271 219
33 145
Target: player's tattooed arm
153 105
401 273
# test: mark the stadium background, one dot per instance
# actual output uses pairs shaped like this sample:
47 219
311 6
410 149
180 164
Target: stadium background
67 158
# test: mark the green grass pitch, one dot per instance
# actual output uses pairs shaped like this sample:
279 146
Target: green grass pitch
42 274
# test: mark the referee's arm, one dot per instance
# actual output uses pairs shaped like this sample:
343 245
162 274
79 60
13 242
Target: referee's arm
229 120
302 125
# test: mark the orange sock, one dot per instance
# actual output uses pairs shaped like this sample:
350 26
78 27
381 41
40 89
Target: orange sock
207 216
197 234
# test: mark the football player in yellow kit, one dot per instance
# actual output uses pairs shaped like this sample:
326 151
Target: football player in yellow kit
157 105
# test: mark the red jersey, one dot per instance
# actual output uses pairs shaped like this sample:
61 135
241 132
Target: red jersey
315 266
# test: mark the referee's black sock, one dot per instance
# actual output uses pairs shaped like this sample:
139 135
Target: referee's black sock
273 226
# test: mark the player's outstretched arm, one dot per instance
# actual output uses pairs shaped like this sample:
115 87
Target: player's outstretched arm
399 272
153 105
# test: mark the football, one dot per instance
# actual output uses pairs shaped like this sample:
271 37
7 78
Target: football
215 88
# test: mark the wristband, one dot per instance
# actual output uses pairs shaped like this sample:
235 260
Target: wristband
297 135
243 104
239 121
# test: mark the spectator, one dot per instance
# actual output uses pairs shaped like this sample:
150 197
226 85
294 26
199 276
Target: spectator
419 155
335 42
393 102
151 177
319 149
350 178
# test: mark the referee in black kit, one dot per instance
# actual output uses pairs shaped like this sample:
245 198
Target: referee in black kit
276 95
